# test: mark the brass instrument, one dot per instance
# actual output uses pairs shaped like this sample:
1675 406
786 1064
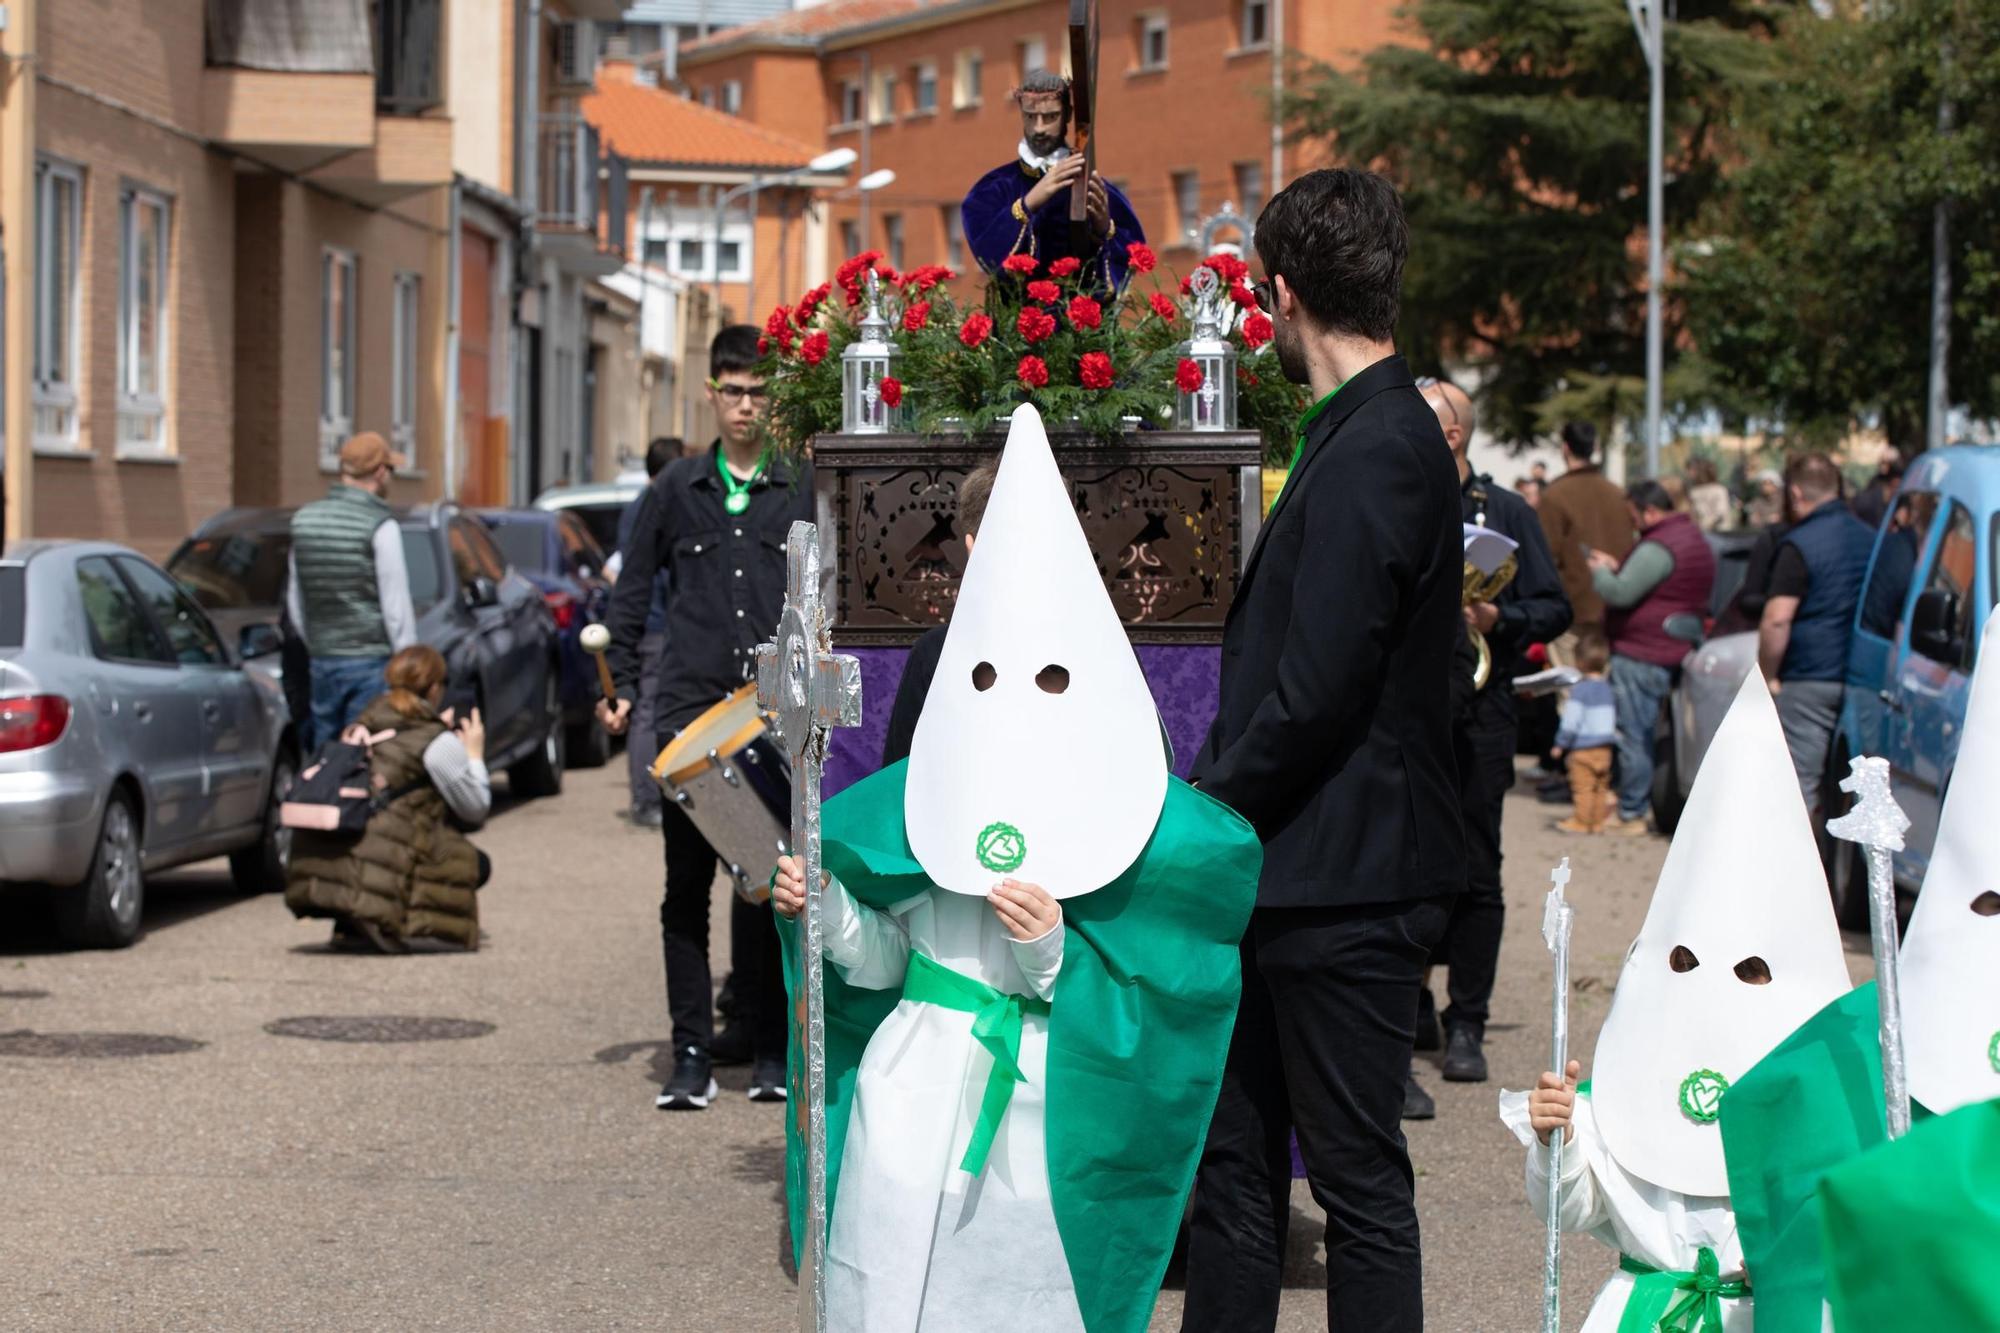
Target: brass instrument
1480 587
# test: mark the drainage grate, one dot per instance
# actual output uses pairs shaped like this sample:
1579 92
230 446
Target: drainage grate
377 1028
93 1045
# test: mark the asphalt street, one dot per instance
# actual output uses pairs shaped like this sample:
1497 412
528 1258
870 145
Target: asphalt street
227 1168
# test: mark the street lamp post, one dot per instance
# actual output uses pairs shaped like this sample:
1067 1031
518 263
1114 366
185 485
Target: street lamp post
1648 20
839 159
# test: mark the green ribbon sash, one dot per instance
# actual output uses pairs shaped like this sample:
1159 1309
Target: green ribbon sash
1666 1301
996 1025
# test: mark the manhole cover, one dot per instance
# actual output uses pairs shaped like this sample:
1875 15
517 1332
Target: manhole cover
93 1045
23 995
377 1027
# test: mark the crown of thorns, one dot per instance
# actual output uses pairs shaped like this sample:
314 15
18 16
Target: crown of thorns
1042 83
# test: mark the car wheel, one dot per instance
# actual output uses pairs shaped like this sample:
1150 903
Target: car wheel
260 867
588 745
103 912
1668 800
541 773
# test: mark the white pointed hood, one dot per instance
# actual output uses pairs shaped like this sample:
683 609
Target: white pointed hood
1951 952
1742 881
1061 789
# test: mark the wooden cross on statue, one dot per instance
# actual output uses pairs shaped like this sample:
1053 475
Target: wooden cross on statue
1082 110
810 689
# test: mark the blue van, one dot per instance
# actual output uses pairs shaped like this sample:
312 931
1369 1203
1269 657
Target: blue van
1931 586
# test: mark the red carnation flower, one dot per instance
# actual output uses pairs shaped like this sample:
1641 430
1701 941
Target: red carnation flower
975 329
1044 291
813 350
1256 329
892 391
885 273
1033 371
1020 263
1243 373
916 315
781 316
1064 267
1227 267
1187 286
1094 370
926 276
1141 257
1086 313
763 344
810 303
1035 323
784 335
1187 376
1163 306
1243 296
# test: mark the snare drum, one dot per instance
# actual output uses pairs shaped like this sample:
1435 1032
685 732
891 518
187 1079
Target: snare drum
733 781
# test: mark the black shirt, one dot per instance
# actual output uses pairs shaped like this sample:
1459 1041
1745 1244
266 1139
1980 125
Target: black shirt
1789 575
727 580
919 669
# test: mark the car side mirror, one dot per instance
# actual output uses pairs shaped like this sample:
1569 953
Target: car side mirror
1685 626
259 641
1931 622
482 591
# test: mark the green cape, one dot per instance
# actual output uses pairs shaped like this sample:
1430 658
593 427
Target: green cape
1912 1229
1814 1102
1138 1029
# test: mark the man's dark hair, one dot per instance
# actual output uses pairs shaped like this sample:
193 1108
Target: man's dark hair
1339 240
1649 494
973 493
663 450
1580 438
1816 476
734 350
1043 83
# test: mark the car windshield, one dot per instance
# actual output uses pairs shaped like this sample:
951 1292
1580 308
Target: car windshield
601 517
236 570
420 555
13 605
523 542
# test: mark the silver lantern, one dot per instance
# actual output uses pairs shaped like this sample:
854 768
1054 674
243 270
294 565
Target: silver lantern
866 362
1212 407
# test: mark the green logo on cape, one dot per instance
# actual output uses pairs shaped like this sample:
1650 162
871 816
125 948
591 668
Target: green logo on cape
1701 1096
1993 1052
1001 848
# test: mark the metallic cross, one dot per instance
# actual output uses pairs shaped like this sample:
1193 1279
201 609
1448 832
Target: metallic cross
810 689
1876 822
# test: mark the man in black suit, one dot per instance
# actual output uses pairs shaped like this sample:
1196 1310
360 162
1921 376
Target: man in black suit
1334 740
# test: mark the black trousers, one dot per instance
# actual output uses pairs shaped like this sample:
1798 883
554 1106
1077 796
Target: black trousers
1321 1046
754 952
1471 945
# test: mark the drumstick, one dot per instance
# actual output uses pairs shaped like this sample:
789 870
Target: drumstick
595 639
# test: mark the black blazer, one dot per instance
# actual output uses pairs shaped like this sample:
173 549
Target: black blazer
1334 733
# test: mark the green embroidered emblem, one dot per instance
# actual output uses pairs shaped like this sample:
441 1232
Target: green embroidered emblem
1993 1052
1701 1096
1002 848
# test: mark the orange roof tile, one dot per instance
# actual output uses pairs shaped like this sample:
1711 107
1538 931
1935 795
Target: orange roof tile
656 127
806 27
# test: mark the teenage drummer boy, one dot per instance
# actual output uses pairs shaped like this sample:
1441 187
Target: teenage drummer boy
716 521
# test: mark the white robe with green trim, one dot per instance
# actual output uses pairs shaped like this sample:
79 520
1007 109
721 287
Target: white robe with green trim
915 1243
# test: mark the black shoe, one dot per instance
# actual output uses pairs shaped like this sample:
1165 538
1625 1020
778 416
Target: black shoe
1417 1104
1554 792
1430 1033
692 1087
1463 1060
731 1046
767 1081
646 817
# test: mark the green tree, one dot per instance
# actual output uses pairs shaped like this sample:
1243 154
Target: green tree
1516 130
1809 296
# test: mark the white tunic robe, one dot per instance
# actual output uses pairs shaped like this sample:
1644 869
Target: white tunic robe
915 1242
1654 1225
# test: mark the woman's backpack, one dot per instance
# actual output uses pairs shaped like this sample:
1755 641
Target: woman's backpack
337 794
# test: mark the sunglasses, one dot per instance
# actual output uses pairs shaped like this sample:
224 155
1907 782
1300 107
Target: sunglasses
1267 297
736 393
1433 382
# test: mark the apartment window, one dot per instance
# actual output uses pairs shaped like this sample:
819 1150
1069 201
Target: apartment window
708 94
966 79
954 235
1152 41
850 237
691 257
143 235
730 255
1187 201
892 239
850 102
655 250
882 98
923 81
1250 188
1033 54
336 353
732 96
403 357
58 223
1256 26
691 250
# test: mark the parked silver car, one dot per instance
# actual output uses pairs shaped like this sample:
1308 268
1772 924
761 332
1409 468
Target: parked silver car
131 738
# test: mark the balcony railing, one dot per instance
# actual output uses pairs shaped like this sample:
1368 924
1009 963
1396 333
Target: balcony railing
328 37
582 189
409 67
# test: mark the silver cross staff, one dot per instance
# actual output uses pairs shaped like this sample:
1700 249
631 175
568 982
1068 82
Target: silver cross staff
1877 823
810 689
1556 918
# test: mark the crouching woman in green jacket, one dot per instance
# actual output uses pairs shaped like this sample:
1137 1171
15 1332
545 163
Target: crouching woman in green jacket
413 873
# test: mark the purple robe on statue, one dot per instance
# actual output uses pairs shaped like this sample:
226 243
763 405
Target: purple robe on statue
994 232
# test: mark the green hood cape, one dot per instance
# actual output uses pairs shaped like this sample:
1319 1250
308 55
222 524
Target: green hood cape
1813 1103
1138 1029
1911 1229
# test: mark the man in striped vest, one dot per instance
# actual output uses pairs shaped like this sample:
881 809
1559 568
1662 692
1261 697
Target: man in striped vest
349 588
